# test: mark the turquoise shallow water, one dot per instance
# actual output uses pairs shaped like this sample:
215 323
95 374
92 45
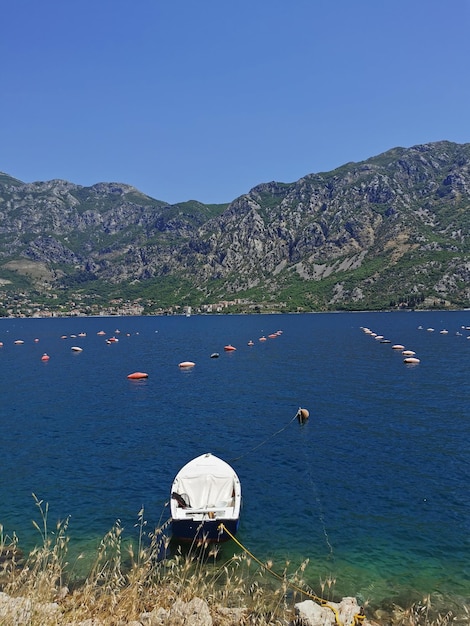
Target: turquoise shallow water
373 489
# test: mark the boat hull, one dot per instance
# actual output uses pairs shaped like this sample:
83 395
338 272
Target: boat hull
205 494
206 531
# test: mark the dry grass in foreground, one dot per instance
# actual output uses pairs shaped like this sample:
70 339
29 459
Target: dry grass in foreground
125 581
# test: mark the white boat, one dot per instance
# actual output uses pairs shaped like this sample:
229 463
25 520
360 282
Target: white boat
205 493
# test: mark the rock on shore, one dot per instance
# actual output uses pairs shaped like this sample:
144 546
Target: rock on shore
20 611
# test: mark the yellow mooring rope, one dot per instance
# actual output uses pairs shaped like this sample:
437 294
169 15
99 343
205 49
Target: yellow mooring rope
358 618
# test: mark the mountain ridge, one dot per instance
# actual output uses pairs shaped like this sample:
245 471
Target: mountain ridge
390 231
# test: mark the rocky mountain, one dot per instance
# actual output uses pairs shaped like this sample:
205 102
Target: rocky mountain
389 231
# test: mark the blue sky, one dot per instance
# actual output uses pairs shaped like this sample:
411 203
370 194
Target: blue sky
204 100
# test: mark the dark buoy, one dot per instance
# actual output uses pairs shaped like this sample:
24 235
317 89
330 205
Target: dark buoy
302 415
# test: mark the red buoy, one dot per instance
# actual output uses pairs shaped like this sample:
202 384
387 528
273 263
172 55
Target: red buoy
138 375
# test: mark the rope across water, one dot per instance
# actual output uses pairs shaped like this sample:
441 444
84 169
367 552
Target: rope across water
301 416
266 440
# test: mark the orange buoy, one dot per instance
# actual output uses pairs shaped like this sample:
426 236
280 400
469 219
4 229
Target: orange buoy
263 338
229 348
45 357
186 364
251 343
138 375
302 415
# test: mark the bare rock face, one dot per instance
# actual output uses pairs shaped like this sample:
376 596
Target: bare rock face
397 223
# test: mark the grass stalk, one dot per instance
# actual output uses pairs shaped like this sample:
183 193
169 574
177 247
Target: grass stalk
128 578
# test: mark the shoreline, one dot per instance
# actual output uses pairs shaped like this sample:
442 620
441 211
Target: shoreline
76 566
39 585
62 316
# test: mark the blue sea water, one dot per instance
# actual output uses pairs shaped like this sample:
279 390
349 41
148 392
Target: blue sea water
373 489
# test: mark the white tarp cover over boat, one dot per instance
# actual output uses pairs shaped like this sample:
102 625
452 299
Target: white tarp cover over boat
205 490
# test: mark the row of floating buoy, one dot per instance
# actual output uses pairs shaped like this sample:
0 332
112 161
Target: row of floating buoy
227 348
410 357
46 357
230 348
138 375
444 331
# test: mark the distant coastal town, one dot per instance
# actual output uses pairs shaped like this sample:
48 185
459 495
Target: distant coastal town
23 306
